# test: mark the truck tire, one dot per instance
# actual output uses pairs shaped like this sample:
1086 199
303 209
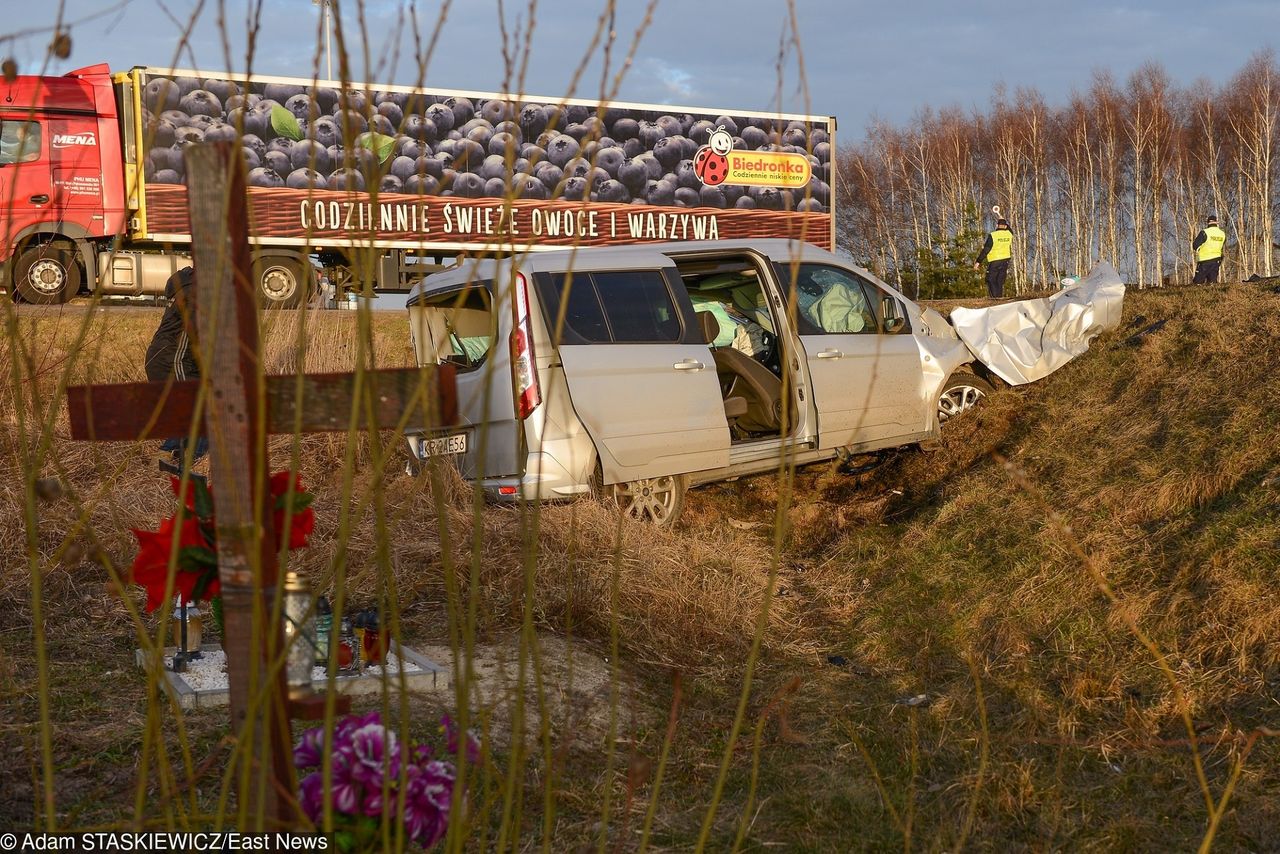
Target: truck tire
961 392
47 274
282 282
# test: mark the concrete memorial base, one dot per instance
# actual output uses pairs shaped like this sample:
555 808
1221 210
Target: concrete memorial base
204 683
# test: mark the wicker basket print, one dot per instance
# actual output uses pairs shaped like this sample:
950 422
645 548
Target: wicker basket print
332 218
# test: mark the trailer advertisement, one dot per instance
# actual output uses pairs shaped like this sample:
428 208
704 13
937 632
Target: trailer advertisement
402 166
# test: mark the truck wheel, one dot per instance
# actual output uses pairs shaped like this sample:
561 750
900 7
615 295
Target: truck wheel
47 274
961 392
282 282
658 500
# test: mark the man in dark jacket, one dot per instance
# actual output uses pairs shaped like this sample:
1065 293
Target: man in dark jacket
171 355
996 252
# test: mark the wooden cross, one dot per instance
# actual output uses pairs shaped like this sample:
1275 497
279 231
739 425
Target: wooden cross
240 407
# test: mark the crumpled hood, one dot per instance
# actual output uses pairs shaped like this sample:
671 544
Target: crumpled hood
1029 339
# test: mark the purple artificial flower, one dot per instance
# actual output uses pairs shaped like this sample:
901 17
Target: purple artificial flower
451 740
346 790
372 805
366 760
346 795
427 799
312 796
307 753
342 732
374 751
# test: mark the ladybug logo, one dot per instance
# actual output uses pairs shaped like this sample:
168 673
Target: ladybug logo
711 163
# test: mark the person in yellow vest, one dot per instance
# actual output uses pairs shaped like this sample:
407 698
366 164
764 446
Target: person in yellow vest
996 252
1208 248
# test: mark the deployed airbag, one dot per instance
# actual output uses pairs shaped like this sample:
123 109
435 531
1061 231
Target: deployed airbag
1029 339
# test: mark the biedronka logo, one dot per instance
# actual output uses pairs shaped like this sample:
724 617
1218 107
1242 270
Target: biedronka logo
718 163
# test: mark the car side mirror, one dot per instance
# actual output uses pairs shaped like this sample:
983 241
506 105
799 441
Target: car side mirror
891 311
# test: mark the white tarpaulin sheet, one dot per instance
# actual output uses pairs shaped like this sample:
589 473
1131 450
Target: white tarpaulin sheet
1029 339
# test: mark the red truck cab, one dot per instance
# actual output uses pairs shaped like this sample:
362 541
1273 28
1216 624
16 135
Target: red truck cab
62 187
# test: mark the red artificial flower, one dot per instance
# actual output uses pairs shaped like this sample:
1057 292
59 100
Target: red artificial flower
196 566
279 484
303 521
151 565
301 524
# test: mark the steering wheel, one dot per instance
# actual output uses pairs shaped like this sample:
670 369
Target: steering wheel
772 356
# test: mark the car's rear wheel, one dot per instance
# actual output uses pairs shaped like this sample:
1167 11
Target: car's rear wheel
657 500
961 392
47 274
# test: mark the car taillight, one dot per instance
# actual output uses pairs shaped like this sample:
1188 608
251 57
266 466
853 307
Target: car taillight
528 395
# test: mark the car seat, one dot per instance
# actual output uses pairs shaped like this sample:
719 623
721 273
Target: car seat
744 377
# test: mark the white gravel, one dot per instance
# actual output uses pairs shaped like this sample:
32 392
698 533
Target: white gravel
209 672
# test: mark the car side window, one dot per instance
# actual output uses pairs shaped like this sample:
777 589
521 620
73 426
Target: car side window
639 307
19 142
583 316
832 301
624 307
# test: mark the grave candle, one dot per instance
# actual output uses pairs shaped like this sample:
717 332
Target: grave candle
194 620
299 633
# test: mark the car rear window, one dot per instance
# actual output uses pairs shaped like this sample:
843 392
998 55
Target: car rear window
455 326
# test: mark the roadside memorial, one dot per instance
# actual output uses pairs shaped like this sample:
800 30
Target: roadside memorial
236 407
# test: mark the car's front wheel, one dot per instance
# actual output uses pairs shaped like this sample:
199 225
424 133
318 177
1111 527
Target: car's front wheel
961 392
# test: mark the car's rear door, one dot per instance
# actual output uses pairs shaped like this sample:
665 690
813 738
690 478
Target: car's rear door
866 382
640 378
461 323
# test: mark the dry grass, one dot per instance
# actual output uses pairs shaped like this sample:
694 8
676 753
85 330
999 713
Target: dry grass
1160 455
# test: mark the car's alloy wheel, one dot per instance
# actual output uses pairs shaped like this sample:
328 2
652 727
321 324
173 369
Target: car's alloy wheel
961 393
658 500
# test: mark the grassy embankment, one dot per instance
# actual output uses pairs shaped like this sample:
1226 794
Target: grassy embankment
1087 565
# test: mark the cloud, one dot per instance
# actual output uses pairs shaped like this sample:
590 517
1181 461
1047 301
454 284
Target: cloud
860 59
675 84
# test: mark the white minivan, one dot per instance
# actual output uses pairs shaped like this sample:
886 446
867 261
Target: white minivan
640 371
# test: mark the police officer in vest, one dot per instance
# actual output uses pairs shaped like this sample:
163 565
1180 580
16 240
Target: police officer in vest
996 253
1208 248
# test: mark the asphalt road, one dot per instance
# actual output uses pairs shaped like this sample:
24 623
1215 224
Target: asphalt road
80 306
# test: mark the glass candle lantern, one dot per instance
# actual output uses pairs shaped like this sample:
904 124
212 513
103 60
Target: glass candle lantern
299 633
195 625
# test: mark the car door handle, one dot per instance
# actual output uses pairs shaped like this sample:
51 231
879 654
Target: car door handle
688 365
830 354
40 199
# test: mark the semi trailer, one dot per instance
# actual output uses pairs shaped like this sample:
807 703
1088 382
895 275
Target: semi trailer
373 187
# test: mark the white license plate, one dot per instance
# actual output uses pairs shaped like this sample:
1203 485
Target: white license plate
443 446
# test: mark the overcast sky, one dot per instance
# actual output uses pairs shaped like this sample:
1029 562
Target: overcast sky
861 59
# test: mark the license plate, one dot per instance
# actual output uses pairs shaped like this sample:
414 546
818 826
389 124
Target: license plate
443 446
